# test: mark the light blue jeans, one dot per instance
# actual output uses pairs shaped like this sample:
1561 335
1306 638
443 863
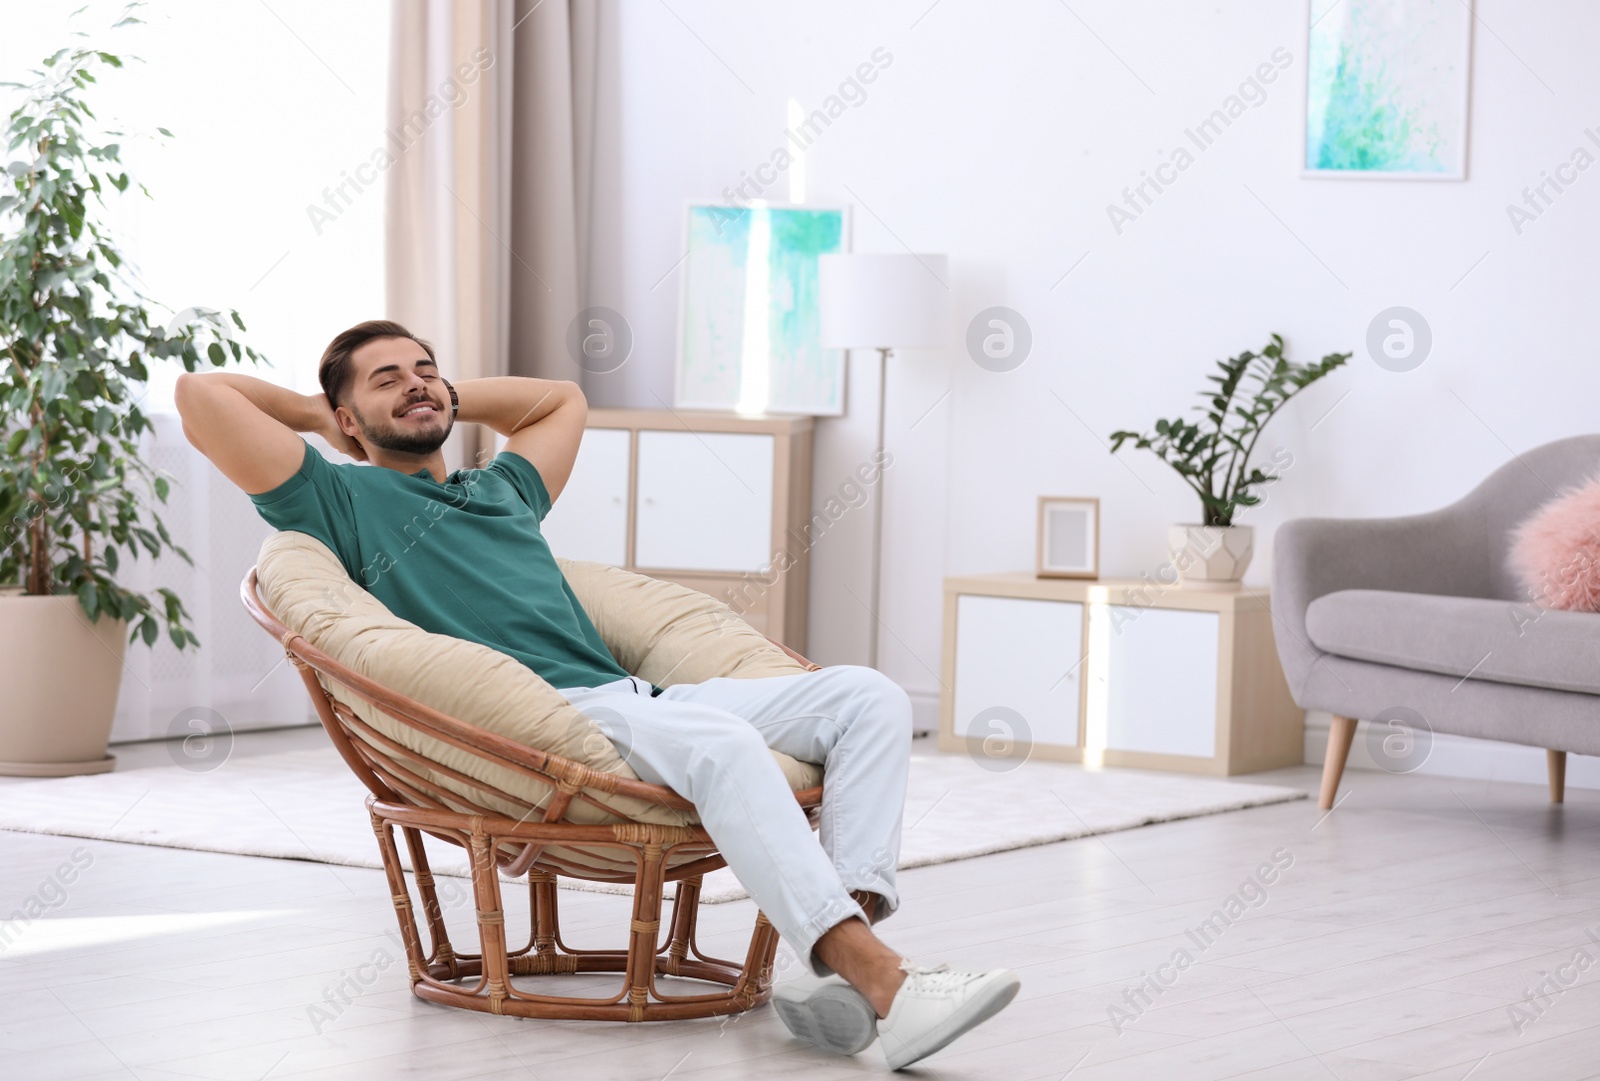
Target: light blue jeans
709 743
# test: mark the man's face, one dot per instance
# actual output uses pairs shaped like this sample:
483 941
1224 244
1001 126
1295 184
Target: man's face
396 398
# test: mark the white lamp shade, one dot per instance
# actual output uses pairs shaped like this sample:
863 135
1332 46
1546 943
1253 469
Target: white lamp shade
882 301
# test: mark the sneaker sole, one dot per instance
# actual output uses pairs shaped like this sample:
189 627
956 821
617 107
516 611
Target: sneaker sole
832 1017
996 997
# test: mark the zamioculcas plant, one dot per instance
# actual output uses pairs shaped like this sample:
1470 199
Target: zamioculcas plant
1213 455
77 342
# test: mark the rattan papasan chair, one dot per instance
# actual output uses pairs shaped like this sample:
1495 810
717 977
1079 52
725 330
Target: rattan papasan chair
466 744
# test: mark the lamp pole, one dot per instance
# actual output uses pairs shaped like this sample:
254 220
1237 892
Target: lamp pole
877 511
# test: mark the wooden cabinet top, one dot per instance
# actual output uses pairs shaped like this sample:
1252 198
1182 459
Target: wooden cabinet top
700 420
1143 593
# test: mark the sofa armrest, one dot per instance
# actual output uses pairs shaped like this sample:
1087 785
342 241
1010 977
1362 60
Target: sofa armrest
1438 553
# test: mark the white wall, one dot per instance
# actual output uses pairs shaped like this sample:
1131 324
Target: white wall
999 134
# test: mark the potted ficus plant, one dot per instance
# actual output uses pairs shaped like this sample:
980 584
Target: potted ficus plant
77 342
1213 456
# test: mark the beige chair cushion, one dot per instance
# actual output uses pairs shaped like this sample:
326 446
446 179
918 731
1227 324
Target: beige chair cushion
660 631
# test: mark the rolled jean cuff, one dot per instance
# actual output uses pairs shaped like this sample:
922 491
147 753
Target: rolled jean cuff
884 902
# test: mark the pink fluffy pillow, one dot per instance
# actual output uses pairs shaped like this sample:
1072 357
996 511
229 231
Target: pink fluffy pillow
1556 552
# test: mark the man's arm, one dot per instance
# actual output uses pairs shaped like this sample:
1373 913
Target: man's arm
542 420
247 426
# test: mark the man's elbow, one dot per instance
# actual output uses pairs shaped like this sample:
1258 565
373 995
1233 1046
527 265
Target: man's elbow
185 392
188 397
566 396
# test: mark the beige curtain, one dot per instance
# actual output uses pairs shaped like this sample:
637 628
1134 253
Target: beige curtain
491 107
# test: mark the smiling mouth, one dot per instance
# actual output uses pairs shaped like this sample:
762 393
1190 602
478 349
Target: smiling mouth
420 409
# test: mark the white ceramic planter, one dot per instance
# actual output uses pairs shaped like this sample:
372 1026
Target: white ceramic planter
59 676
1210 557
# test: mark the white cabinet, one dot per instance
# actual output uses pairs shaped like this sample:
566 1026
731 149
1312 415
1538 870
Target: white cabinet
704 501
1160 677
1114 673
1017 670
717 502
589 520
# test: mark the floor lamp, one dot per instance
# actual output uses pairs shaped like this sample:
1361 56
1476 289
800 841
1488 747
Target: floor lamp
882 302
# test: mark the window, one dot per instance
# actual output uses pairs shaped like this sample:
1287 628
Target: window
274 106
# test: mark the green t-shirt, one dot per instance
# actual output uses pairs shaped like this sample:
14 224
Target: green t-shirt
463 558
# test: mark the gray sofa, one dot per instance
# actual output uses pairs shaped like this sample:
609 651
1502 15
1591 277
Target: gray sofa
1420 618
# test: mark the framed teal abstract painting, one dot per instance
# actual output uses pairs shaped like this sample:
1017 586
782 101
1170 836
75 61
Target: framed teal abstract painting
1387 88
750 330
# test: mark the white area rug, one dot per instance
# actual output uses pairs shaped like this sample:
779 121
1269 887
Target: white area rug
308 805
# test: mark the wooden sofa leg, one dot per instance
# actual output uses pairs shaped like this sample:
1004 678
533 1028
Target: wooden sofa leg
1557 761
1340 735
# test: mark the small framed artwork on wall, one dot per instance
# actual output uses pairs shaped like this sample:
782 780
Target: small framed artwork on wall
1069 537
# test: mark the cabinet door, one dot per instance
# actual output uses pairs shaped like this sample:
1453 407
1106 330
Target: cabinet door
589 520
1161 681
1023 655
704 501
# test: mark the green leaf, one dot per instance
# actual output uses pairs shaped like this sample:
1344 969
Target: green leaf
214 351
89 597
149 631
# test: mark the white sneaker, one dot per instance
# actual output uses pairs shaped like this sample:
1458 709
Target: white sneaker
826 1012
935 1005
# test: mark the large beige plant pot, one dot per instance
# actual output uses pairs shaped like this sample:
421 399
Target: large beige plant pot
58 686
1211 557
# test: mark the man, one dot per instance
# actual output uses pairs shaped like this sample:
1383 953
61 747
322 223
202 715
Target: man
463 555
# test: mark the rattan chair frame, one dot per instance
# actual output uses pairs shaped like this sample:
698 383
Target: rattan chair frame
400 797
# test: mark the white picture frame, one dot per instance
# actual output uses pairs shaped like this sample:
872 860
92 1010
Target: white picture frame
1451 22
1069 537
720 382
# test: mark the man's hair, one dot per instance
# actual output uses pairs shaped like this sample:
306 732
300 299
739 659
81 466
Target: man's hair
334 372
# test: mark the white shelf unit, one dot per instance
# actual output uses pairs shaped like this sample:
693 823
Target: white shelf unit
715 501
1115 673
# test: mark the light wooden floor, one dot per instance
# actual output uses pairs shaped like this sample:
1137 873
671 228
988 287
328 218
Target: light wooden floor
1410 922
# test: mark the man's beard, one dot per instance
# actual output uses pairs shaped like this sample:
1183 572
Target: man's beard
390 437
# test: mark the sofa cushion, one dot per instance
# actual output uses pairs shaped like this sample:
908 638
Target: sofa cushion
661 631
1497 640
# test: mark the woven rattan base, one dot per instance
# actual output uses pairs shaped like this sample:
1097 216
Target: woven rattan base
484 980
